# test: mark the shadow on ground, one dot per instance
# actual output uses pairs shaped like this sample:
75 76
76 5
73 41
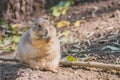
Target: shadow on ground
8 71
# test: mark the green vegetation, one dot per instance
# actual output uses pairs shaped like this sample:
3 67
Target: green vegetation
61 8
9 36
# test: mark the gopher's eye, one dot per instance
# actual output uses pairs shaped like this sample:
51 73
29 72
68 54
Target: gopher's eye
39 27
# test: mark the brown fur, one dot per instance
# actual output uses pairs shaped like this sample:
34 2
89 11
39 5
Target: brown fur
39 47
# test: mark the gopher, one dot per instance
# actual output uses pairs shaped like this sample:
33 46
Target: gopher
39 47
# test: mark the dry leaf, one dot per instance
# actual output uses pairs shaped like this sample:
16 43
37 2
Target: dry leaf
71 58
63 24
79 22
82 21
65 33
16 25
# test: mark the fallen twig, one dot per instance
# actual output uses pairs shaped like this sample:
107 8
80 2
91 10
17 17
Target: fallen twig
74 63
91 64
4 58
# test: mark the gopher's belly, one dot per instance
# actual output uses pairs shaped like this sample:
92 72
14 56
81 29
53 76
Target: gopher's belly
28 52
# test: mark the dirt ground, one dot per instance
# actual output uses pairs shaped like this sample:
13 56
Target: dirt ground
102 22
14 71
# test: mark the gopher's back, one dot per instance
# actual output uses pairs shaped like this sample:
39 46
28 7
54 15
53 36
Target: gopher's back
25 48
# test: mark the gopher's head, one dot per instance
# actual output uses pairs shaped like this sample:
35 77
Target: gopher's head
42 30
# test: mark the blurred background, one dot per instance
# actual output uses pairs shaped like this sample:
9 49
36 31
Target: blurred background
89 30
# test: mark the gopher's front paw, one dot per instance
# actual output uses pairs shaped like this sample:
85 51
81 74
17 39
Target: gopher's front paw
35 67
